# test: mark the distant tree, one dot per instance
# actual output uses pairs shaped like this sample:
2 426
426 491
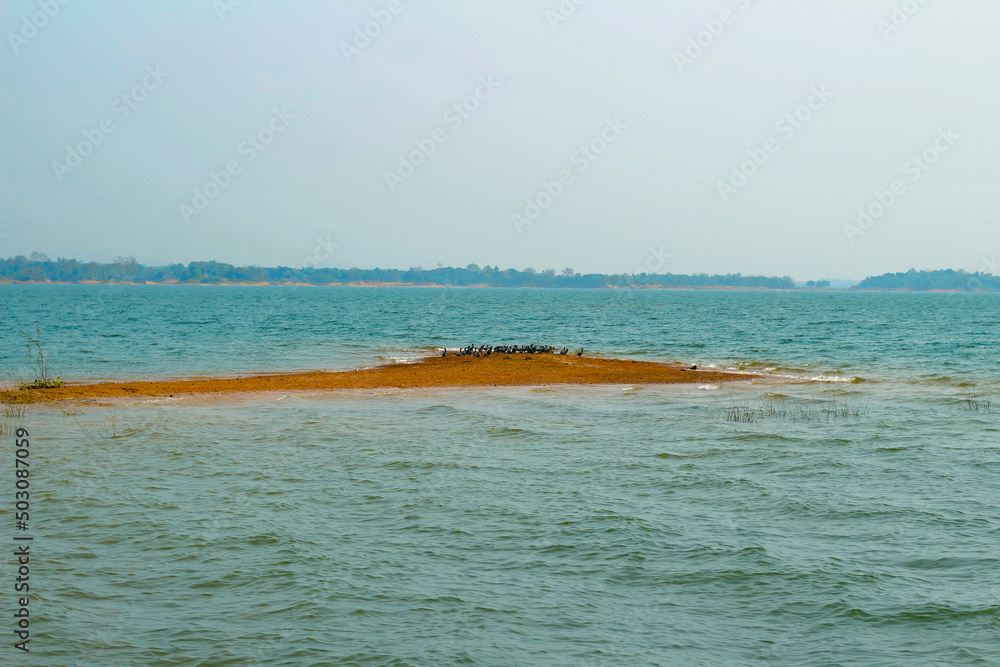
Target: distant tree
22 268
932 280
39 257
126 267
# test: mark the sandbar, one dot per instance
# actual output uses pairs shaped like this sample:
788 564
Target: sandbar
499 370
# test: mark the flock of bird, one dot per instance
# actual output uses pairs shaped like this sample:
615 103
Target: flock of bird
487 350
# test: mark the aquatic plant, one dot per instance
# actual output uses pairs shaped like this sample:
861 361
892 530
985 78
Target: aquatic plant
11 417
42 378
973 401
112 425
770 407
108 431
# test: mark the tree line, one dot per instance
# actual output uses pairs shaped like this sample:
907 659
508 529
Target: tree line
39 268
923 281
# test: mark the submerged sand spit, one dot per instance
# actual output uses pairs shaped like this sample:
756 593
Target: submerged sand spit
451 371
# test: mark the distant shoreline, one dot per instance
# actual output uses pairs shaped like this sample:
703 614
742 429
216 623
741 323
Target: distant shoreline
678 288
366 283
40 270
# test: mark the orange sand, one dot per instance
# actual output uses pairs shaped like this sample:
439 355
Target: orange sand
451 371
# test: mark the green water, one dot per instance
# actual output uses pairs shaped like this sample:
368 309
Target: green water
549 526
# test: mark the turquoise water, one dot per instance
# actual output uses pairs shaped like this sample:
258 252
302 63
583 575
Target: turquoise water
515 526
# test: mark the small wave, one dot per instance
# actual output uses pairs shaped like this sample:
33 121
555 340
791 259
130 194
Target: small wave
398 359
709 387
511 432
813 378
762 436
802 371
439 407
941 613
154 401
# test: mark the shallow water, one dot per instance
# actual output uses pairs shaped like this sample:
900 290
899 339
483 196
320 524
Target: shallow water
547 526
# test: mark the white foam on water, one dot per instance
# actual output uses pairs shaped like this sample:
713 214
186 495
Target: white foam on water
401 360
828 378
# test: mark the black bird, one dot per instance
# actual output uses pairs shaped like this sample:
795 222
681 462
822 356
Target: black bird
444 352
693 368
564 350
580 353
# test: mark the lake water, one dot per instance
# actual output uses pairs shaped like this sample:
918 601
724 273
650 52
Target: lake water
852 520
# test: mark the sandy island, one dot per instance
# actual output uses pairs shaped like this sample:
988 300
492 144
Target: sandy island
451 371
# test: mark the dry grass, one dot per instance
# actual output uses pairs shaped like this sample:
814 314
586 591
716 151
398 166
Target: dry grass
973 401
11 417
769 407
107 431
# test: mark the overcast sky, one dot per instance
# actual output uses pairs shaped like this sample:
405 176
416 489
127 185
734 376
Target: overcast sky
607 136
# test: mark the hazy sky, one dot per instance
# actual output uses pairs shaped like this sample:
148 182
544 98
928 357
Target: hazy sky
675 136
